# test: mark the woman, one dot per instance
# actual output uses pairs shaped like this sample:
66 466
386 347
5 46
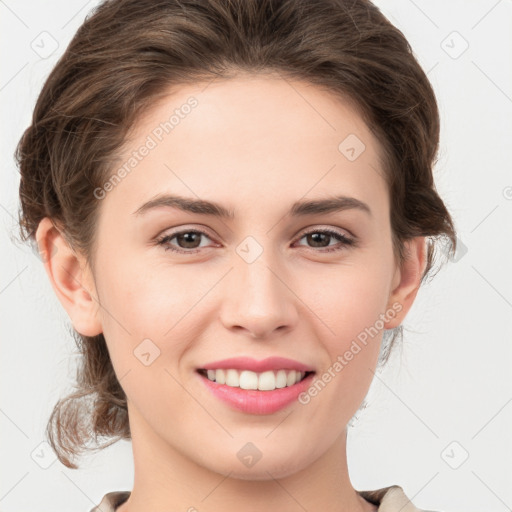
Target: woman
236 206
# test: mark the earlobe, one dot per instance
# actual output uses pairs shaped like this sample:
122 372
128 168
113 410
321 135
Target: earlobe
407 280
70 278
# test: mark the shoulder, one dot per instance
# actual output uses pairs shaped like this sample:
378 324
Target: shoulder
111 501
391 499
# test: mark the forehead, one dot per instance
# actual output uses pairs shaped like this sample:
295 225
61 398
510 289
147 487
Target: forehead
251 136
294 108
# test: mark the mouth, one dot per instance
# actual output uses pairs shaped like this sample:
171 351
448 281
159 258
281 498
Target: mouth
256 387
269 380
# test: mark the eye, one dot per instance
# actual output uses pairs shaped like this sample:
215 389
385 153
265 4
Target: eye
319 236
189 241
188 238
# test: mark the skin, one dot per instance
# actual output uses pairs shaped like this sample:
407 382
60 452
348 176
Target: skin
255 144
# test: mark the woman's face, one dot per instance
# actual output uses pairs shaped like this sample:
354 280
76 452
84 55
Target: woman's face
264 283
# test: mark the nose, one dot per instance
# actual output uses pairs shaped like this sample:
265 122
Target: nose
257 299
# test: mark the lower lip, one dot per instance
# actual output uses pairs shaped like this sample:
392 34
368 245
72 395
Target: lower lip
253 401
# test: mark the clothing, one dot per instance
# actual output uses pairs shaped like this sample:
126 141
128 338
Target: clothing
389 499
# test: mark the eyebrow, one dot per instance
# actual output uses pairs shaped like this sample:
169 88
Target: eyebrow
298 209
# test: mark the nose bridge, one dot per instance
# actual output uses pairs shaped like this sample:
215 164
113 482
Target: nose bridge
259 299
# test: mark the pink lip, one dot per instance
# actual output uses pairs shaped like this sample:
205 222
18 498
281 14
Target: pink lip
247 363
254 401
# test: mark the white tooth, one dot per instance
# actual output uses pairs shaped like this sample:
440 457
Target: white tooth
291 378
248 380
281 379
232 378
267 381
220 376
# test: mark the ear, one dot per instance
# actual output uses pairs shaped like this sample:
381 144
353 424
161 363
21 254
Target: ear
407 280
70 278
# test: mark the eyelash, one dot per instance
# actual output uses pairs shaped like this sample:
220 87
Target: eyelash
344 240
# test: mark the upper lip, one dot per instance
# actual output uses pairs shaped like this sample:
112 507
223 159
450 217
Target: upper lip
248 363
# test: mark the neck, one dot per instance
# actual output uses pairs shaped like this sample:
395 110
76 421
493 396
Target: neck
164 479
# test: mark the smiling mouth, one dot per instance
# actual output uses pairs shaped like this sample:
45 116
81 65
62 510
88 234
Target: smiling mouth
262 381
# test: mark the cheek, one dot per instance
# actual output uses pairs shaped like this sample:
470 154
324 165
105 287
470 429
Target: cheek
138 301
355 298
353 307
147 316
145 325
135 311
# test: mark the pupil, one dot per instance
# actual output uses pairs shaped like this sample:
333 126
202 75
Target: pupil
314 237
188 238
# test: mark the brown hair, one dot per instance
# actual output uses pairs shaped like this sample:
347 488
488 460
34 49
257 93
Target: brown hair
128 53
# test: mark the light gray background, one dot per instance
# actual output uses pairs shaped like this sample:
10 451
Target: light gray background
445 395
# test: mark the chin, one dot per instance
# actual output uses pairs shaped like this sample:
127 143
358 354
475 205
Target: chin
266 468
270 472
